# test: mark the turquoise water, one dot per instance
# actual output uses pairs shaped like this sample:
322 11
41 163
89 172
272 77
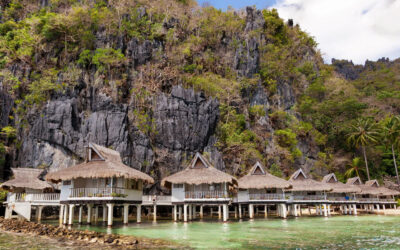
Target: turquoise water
339 232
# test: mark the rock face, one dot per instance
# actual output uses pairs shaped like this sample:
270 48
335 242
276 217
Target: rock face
185 121
347 69
6 104
247 57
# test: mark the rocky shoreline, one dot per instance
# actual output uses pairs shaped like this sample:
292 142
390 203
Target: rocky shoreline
83 238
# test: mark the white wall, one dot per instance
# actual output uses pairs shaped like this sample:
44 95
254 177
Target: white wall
243 195
178 194
65 191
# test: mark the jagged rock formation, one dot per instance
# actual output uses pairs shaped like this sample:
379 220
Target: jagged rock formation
179 71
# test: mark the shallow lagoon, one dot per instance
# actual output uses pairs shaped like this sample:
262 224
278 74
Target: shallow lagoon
343 232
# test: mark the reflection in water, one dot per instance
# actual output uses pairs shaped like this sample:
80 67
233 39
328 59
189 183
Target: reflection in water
304 232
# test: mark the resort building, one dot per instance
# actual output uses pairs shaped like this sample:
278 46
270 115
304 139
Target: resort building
27 191
259 187
373 196
199 185
343 195
101 182
306 191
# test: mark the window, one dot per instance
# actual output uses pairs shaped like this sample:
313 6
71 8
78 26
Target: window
66 183
178 185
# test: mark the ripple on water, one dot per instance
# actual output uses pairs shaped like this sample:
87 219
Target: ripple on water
339 232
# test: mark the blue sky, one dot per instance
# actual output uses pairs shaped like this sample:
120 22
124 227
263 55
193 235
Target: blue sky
238 4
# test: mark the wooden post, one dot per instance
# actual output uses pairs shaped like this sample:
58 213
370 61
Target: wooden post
236 214
96 214
226 215
201 211
219 212
155 213
185 215
110 214
251 211
180 213
71 214
355 209
325 211
294 210
89 213
240 211
194 211
265 211
60 219
138 213
175 214
284 213
190 211
65 214
80 214
309 210
126 214
104 214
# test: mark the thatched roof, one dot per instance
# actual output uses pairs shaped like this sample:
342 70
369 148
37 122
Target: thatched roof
370 187
339 187
354 181
100 162
300 182
388 191
26 178
259 178
199 171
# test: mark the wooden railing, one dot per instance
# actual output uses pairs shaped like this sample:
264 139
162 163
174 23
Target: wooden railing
309 197
156 198
44 197
368 199
341 198
21 197
98 192
267 196
206 194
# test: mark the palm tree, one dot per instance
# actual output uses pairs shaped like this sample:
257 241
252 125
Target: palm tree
354 168
391 129
362 133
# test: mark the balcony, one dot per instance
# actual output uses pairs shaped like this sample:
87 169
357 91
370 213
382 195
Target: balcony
342 199
264 197
156 199
206 195
26 197
309 197
107 193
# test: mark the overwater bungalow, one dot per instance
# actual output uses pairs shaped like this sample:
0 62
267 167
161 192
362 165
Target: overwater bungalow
101 182
27 191
342 194
307 191
198 185
259 187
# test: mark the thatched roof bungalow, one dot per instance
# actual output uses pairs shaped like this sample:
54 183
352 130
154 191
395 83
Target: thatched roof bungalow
259 178
339 187
300 182
199 171
101 162
370 187
259 185
103 175
26 179
199 182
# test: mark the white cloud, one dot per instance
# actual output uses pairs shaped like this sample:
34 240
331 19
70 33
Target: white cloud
348 29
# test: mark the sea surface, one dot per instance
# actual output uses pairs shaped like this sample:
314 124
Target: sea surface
337 232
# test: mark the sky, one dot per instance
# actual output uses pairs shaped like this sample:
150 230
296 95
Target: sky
355 30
